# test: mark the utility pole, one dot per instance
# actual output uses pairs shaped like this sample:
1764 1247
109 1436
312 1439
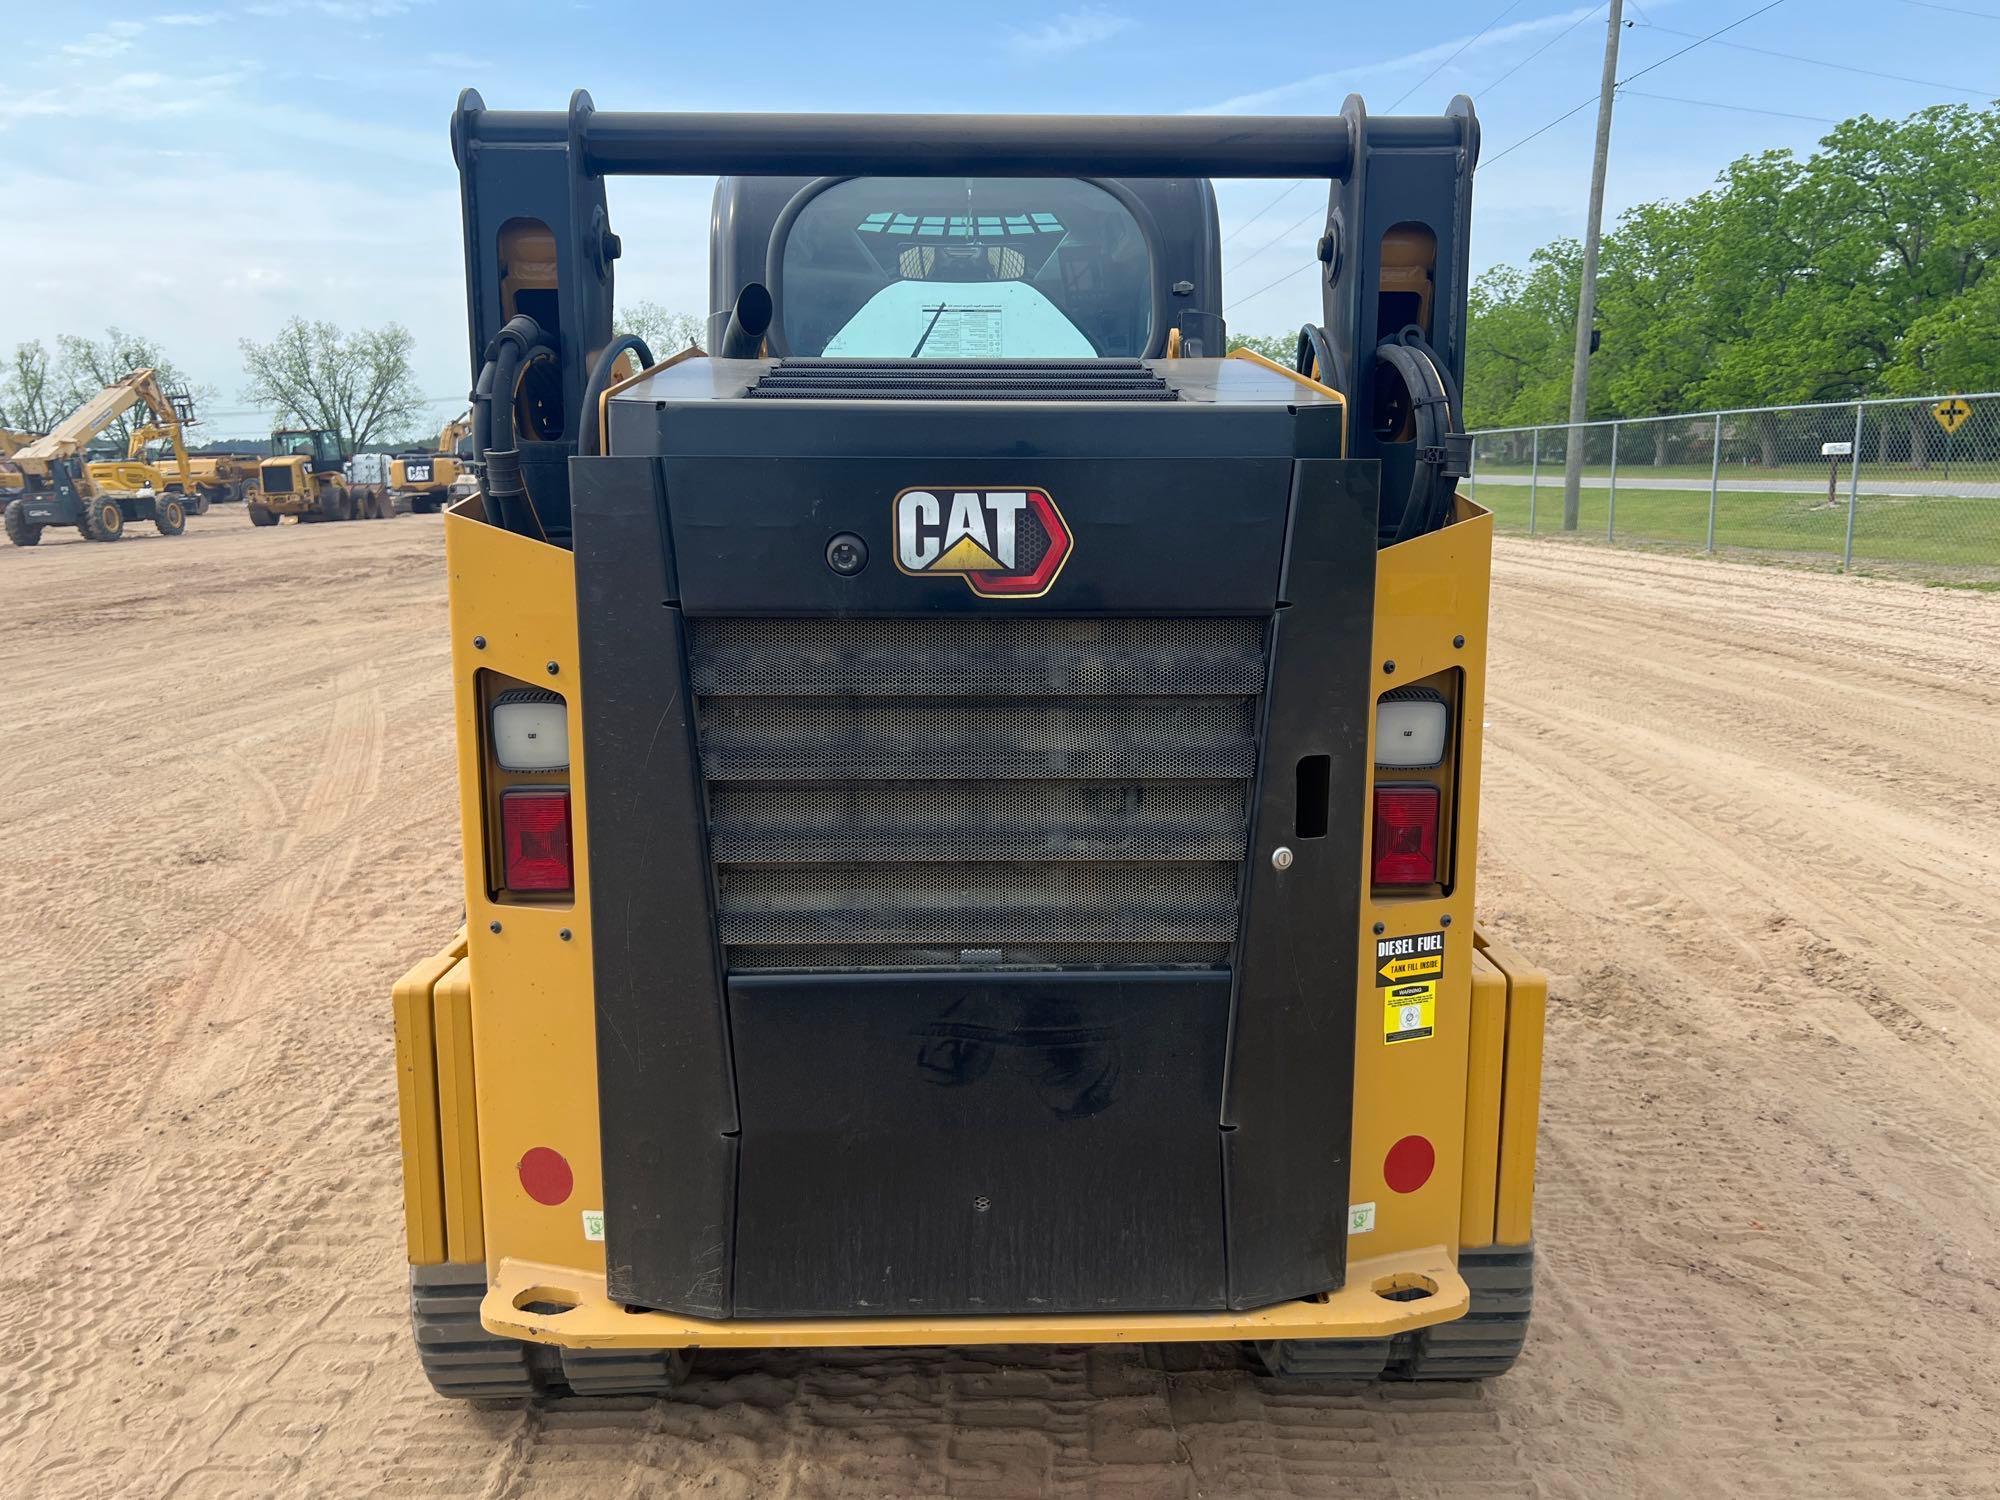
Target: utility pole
1586 300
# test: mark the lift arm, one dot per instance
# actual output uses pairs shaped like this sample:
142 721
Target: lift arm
72 434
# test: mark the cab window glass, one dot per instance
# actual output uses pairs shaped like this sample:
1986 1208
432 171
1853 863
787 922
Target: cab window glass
966 268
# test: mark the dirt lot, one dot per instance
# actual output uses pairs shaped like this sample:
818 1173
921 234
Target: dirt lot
1751 818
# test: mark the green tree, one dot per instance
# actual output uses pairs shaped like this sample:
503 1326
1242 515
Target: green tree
1281 347
1861 269
30 394
1656 347
85 366
1920 201
1520 329
666 333
358 386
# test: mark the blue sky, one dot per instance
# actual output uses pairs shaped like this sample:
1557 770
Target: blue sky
201 169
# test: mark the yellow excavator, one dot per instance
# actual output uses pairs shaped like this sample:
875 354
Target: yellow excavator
53 484
424 480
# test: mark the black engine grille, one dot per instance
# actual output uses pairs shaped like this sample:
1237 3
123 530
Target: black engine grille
276 479
961 380
978 792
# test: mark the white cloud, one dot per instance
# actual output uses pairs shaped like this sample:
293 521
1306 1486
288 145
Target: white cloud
189 18
108 41
128 96
333 10
221 275
1069 32
1264 100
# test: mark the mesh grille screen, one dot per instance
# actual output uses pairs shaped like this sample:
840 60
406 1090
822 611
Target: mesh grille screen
977 793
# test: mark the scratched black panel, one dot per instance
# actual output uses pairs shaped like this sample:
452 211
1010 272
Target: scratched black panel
665 1102
1291 1070
1003 1144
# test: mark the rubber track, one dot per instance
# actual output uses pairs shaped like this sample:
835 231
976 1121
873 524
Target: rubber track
1483 1343
462 1360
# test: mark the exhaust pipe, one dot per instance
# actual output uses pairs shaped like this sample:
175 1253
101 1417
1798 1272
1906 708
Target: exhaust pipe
747 323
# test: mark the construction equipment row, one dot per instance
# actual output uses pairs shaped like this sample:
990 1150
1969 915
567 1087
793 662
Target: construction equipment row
48 479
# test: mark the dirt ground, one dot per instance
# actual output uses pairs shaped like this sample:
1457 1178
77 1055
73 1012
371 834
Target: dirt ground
1750 818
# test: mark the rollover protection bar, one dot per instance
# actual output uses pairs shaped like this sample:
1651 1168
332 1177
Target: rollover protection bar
749 145
1392 251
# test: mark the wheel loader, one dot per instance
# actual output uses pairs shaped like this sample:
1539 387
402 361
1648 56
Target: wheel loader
303 477
969 789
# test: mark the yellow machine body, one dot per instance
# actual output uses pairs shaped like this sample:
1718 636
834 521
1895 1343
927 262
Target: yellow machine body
426 481
309 484
496 1038
28 463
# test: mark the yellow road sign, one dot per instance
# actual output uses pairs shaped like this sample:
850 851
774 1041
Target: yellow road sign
1952 412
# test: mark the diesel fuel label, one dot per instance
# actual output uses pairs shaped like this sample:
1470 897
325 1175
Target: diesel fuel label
1409 1011
1399 959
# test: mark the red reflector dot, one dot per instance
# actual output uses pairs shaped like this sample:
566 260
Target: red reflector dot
1409 1164
545 1176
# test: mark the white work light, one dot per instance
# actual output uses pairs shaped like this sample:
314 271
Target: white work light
1410 729
531 731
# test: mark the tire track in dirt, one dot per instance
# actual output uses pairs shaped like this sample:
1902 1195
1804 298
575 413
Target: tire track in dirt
1768 1220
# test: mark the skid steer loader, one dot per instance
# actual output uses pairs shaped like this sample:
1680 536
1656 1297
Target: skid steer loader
969 794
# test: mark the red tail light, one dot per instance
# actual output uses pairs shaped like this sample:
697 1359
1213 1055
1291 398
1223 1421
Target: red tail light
534 837
1406 835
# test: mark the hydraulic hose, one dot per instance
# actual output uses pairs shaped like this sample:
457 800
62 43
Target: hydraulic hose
589 440
1443 450
1316 359
495 442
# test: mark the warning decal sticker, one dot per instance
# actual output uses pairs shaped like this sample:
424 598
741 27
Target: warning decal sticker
1399 959
1409 1011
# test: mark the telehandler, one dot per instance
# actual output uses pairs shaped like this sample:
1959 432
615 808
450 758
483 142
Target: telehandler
51 481
969 791
424 481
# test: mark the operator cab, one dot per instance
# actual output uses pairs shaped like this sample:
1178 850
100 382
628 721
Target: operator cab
314 444
941 268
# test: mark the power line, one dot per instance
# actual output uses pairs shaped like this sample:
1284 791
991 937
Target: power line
1276 238
1483 166
1956 10
1489 88
1585 104
1262 211
1819 62
1512 6
1741 109
1296 271
1699 41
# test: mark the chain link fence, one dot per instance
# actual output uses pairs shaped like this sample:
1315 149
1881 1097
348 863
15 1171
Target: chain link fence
1907 486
